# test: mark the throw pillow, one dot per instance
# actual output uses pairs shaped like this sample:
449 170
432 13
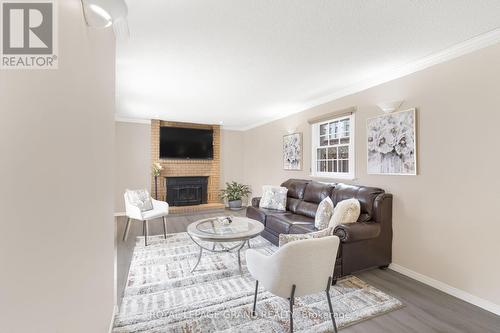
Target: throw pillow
273 197
323 214
287 238
140 199
346 211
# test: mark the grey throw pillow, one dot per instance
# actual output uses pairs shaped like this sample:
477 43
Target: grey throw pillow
273 197
287 238
140 199
323 214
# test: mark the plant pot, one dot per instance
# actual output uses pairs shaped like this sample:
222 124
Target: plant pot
234 204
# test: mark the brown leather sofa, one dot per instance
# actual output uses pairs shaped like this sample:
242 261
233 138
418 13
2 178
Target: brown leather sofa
364 244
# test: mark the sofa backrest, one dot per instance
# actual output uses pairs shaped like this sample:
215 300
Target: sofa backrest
365 195
314 193
304 196
296 189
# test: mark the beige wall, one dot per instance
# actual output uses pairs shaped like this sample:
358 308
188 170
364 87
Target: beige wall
132 159
56 186
231 156
445 221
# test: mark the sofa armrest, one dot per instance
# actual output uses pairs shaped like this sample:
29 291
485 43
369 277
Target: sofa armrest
256 202
358 231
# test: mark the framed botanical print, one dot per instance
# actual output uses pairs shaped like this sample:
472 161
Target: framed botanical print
292 151
392 144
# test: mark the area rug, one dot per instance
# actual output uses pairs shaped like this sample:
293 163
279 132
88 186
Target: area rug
161 295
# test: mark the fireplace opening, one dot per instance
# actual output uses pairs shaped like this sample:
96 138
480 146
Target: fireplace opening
186 191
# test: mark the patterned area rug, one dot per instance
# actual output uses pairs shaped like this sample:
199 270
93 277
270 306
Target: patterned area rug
162 295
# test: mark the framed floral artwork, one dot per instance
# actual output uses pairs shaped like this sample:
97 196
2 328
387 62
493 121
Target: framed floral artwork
391 142
292 151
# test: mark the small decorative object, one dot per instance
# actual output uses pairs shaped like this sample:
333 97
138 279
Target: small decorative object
225 220
292 151
156 170
392 144
234 192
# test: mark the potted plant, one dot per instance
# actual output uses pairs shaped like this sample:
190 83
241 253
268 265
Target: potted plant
234 192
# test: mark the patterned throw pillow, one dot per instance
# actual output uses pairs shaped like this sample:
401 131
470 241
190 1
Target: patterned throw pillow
273 197
287 238
323 214
346 211
140 199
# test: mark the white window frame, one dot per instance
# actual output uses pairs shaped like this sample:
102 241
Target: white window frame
315 144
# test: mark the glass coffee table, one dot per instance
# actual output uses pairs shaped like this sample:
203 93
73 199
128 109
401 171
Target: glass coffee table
220 230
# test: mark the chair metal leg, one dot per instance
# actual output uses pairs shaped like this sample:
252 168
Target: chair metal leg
146 232
127 229
292 301
330 304
165 227
255 297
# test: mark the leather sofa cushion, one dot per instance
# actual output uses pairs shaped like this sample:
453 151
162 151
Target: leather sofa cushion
261 214
302 228
296 188
280 224
365 195
307 209
316 192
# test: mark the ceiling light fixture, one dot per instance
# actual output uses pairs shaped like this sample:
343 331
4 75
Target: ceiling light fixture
104 13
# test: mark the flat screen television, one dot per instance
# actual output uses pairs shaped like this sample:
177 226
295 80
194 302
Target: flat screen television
186 143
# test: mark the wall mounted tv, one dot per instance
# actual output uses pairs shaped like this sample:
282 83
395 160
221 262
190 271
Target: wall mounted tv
186 143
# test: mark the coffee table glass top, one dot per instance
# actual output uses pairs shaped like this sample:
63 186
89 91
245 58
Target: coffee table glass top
224 226
221 229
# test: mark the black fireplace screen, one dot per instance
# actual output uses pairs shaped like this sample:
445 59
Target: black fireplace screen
186 191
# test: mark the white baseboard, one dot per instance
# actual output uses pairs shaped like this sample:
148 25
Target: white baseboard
115 311
458 293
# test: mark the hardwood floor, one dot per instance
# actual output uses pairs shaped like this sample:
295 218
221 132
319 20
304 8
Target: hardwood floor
426 309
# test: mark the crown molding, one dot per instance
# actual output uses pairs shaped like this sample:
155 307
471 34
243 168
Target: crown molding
455 51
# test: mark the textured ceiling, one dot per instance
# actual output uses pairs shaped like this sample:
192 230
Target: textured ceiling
244 62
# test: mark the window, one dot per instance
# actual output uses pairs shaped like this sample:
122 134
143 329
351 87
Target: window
333 148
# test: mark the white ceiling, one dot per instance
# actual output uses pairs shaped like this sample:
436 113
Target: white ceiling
243 62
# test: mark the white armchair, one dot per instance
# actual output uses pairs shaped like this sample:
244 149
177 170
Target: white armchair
160 210
298 268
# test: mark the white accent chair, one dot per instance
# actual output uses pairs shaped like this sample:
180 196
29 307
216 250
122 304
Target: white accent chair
160 210
298 268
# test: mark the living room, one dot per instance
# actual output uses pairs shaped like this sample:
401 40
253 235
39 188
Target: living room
241 166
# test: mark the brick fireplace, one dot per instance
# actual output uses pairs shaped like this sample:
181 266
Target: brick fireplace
208 169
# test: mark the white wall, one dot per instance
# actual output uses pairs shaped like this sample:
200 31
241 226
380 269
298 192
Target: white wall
445 221
56 186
